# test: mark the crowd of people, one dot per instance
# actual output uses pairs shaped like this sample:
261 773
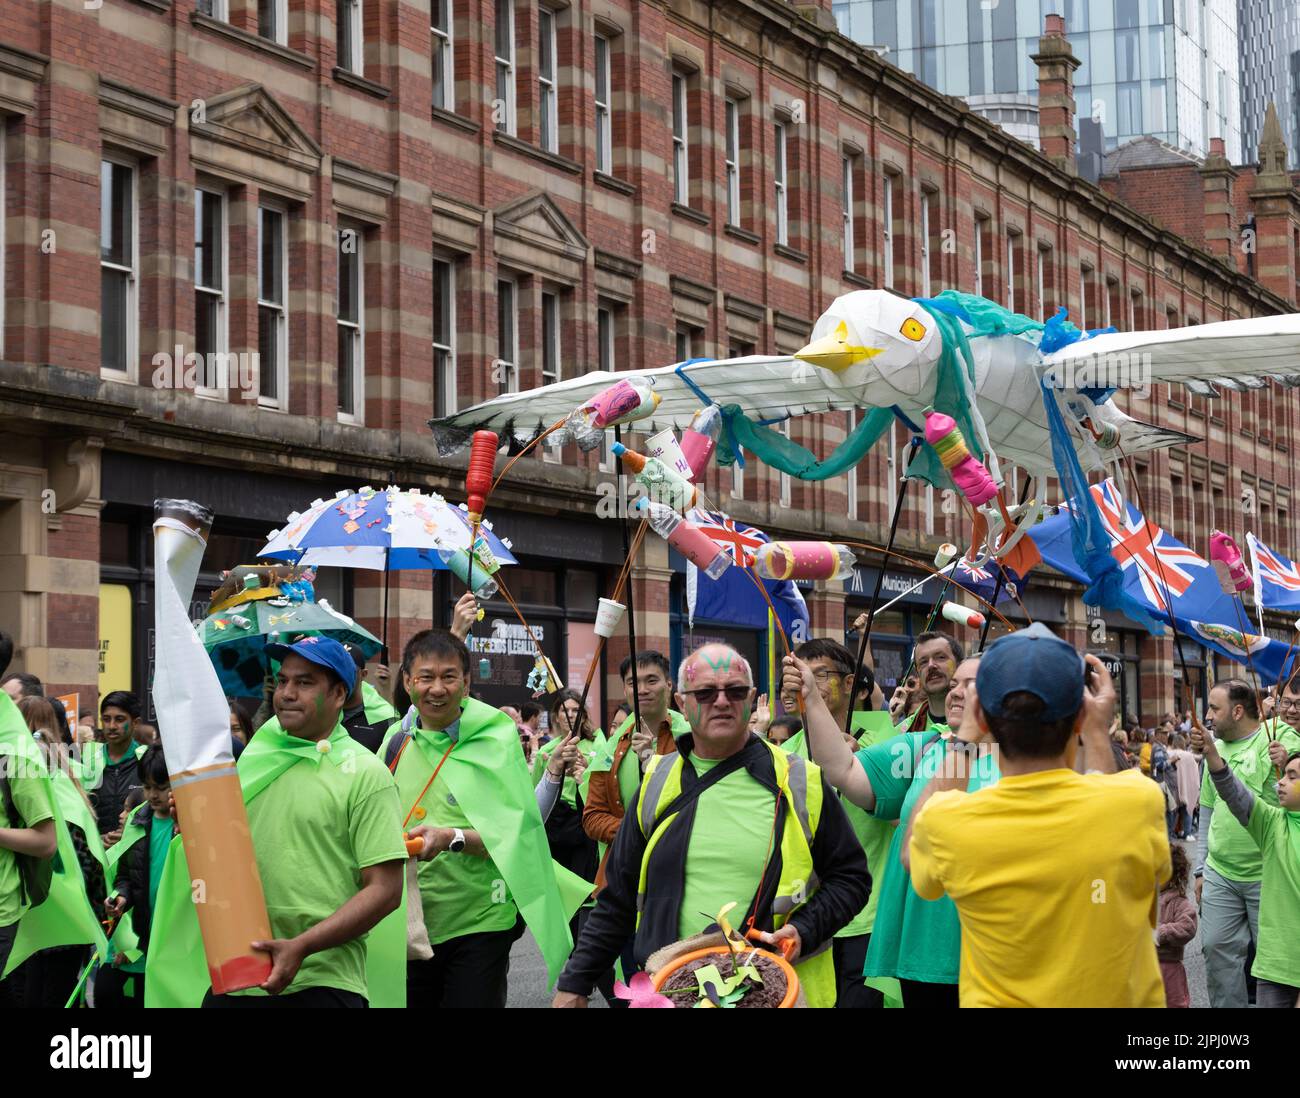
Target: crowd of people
992 834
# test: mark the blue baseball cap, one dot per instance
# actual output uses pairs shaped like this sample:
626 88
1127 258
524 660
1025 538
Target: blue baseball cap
322 651
1032 661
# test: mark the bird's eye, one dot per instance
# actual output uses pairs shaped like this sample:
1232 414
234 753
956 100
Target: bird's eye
913 329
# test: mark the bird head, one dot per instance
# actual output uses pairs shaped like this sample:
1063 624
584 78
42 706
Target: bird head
870 337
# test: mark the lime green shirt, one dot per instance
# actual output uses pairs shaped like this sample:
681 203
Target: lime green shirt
1230 851
873 834
462 894
728 847
1277 950
314 829
33 805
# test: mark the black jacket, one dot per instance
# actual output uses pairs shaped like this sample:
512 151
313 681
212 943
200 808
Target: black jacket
370 736
115 783
132 882
843 890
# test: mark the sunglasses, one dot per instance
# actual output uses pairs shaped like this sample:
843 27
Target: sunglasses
707 695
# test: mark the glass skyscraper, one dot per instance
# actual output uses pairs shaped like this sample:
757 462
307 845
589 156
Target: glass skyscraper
1270 71
1167 68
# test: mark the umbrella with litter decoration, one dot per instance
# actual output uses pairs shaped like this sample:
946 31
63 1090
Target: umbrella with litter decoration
391 529
236 638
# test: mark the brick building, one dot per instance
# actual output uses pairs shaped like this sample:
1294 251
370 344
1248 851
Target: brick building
403 210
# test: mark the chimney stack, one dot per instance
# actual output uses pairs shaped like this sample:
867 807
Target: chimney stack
1056 64
1277 213
1217 177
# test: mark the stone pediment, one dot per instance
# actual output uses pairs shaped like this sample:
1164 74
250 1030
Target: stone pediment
247 134
536 220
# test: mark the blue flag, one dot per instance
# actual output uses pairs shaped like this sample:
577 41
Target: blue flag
1165 579
1277 580
734 599
982 579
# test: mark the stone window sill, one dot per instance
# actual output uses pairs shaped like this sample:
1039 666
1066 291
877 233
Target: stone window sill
255 41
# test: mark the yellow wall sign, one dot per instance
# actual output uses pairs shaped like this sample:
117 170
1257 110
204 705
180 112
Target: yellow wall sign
115 615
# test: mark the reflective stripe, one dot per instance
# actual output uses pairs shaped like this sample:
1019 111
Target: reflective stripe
654 786
797 778
783 905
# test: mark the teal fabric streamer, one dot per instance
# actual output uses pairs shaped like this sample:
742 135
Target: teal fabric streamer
774 449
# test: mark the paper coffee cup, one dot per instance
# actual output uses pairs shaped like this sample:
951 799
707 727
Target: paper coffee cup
608 614
665 447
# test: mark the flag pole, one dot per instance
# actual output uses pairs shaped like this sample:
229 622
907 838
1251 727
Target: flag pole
880 578
631 605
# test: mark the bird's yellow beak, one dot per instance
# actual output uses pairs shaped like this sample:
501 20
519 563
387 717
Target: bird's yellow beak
835 352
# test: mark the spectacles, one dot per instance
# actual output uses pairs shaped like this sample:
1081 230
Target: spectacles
707 695
1289 703
822 675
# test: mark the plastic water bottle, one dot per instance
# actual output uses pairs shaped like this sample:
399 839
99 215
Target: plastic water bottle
700 438
687 538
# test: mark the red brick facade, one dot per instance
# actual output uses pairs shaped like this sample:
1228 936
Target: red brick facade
189 101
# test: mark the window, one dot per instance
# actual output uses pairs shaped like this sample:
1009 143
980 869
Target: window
685 344
503 110
1087 295
604 123
1134 310
982 226
272 307
1045 281
1111 300
548 120
925 243
1011 271
507 365
444 338
349 35
550 359
887 215
733 161
216 9
351 336
440 31
846 176
681 159
779 166
210 285
272 19
117 268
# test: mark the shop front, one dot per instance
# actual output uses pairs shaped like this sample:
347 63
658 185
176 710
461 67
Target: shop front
895 627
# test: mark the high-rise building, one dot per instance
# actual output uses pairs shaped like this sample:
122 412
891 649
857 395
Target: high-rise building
1161 68
1269 47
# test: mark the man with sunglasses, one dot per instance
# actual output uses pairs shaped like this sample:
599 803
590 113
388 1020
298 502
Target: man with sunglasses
727 817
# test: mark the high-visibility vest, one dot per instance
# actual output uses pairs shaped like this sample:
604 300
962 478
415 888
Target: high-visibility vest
800 783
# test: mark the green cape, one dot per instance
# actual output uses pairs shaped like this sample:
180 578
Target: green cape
65 917
486 775
124 938
376 708
176 970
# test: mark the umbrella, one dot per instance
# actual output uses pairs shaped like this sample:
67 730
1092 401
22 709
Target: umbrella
390 530
236 638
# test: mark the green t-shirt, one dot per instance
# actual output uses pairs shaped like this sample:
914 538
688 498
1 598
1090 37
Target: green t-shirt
1230 851
462 894
33 805
728 847
1277 950
314 829
913 939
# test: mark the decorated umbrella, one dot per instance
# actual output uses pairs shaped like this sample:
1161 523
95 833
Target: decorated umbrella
392 530
235 638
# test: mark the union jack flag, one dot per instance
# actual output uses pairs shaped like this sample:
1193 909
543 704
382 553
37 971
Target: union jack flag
739 542
1138 543
1273 567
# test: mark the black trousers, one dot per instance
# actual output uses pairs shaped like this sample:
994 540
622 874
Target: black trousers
49 975
308 997
467 971
851 991
917 995
11 988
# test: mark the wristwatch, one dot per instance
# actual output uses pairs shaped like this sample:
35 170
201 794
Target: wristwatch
457 843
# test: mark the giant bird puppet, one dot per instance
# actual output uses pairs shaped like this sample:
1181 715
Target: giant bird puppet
1036 395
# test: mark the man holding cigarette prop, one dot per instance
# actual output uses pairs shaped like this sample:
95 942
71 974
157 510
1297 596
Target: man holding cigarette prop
327 831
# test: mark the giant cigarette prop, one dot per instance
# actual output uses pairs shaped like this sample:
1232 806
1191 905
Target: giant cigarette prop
194 722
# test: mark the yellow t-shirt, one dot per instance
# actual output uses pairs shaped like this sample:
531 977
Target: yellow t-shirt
1055 876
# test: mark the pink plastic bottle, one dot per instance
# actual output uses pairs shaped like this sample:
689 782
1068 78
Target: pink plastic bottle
968 474
700 438
1224 551
687 538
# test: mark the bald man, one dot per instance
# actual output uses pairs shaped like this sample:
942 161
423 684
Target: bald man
704 817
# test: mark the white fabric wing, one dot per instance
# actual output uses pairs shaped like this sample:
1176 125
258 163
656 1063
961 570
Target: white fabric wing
1230 354
765 387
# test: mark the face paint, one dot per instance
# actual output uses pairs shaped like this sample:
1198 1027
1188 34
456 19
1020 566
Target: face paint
833 689
723 662
690 671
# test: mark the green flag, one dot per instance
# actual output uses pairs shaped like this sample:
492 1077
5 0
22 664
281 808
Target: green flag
65 917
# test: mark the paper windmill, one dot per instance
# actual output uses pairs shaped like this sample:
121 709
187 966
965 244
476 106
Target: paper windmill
641 993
